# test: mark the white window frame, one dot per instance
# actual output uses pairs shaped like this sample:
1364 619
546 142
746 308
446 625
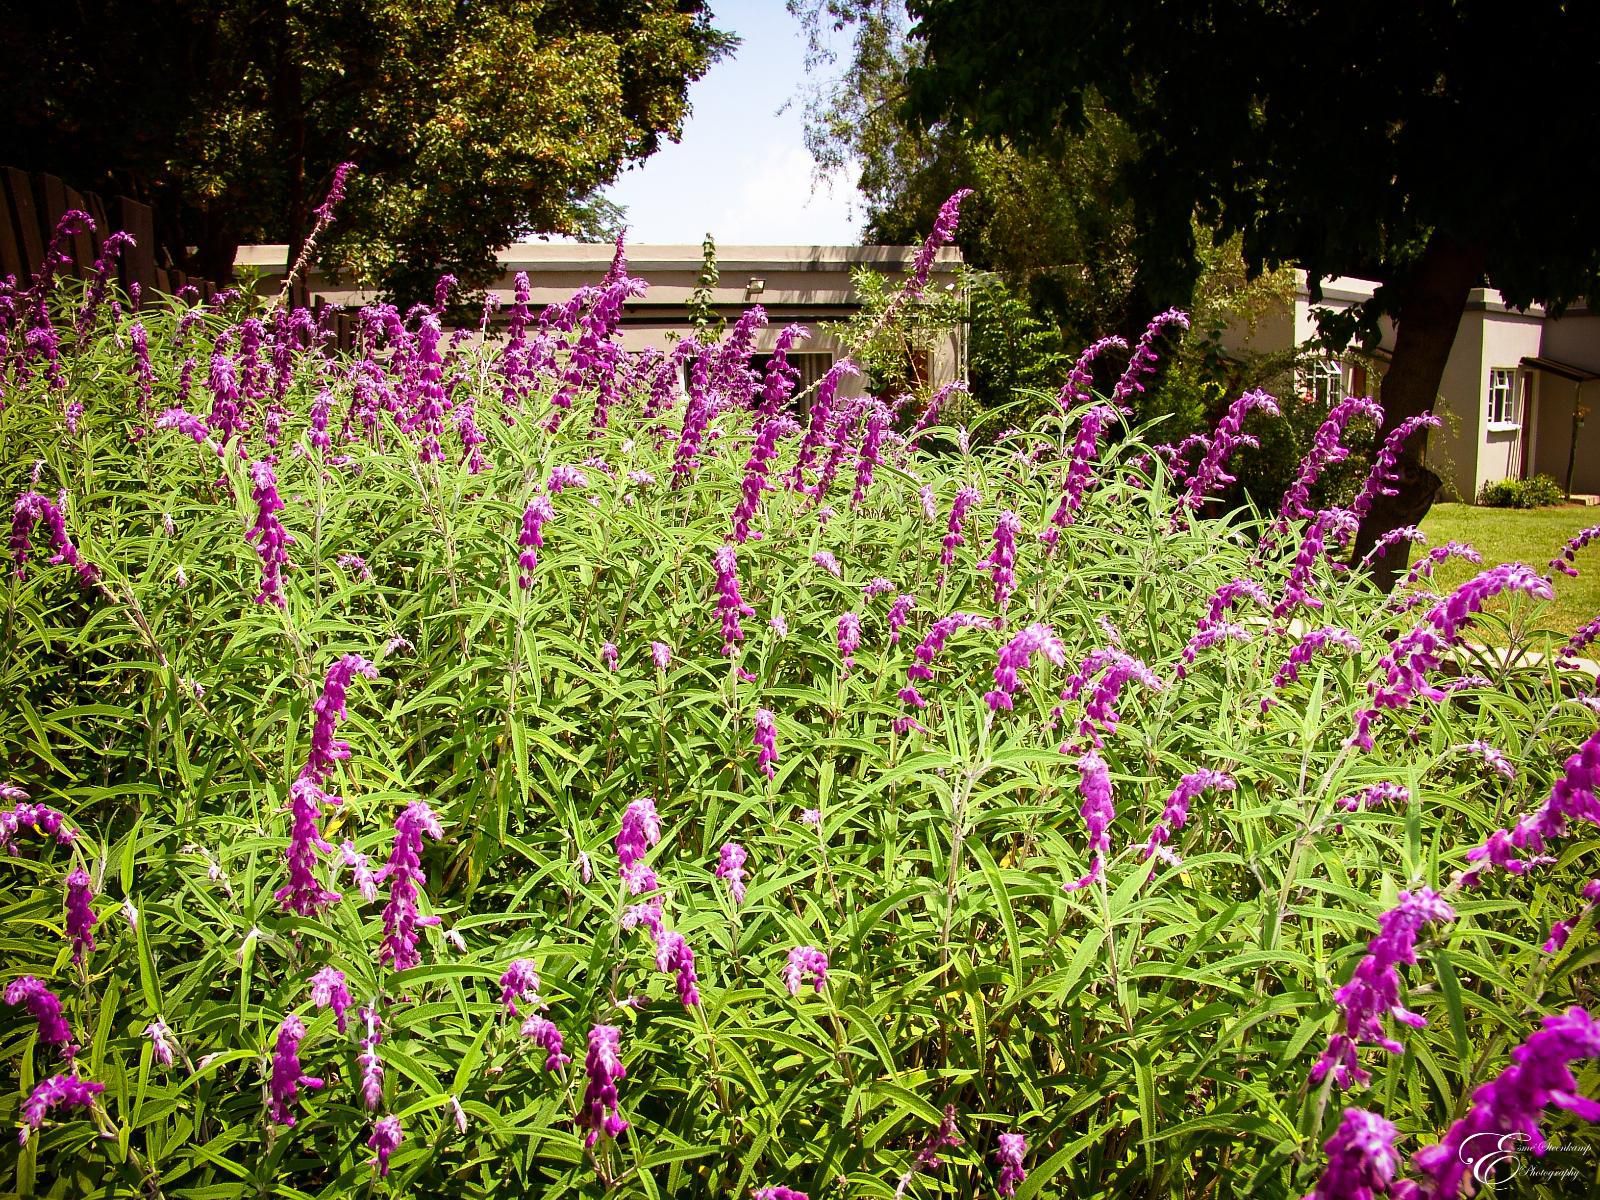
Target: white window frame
1504 399
1325 381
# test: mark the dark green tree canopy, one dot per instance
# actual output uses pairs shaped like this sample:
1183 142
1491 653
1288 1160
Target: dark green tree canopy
1335 136
471 123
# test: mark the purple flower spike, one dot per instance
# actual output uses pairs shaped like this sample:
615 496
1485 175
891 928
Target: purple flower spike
272 540
32 508
1212 474
1513 1102
1080 470
641 829
730 605
329 990
766 740
1002 560
1326 451
1176 813
1377 795
80 914
1574 797
370 1063
58 1091
1015 656
661 655
603 1064
730 869
1094 785
899 611
45 1008
1383 473
1492 758
534 518
1373 991
385 1138
1010 1150
777 1191
1563 561
404 874
673 954
1334 526
1113 668
1144 359
543 1033
849 638
1222 601
161 1045
288 1077
1316 639
806 964
1361 1159
966 497
519 982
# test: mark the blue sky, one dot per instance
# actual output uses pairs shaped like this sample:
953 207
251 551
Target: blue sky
741 171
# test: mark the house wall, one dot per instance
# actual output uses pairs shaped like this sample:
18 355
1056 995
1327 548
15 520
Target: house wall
1508 338
1573 339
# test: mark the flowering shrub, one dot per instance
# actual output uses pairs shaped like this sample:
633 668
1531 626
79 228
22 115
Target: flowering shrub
460 768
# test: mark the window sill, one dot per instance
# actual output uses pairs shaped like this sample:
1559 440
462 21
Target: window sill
1504 426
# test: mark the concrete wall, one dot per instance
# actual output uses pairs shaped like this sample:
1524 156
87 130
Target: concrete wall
1508 338
1573 339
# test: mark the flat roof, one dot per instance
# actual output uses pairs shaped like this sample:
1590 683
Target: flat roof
568 256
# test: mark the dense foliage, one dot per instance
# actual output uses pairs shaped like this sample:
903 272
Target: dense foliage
1539 491
473 123
737 798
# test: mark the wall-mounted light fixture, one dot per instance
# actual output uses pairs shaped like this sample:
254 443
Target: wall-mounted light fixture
754 288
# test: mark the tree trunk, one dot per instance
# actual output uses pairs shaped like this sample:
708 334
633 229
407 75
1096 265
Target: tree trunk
1430 311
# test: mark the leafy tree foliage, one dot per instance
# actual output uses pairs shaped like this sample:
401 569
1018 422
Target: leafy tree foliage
1348 138
471 123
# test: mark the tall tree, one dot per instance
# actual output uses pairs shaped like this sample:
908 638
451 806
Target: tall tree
471 123
1398 142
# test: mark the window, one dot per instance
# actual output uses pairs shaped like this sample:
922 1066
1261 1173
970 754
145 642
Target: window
1504 409
1325 381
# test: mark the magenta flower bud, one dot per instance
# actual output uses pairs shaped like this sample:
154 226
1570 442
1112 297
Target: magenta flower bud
1423 567
544 1034
80 914
386 1135
404 874
1373 991
826 560
849 638
730 605
777 1191
1492 758
966 497
1002 560
661 655
1010 1150
1563 561
1113 668
30 509
161 1045
766 740
1326 451
565 476
1377 795
1333 525
1098 811
673 954
1316 639
806 964
1015 656
730 869
641 829
608 655
58 1091
534 518
360 869
1361 1159
942 233
1176 813
39 819
899 612
601 1113
1574 797
45 1008
288 1077
519 982
329 990
272 540
1222 600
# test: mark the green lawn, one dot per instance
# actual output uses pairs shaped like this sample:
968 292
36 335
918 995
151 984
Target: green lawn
1530 536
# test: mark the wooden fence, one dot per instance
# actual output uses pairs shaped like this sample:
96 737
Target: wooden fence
31 204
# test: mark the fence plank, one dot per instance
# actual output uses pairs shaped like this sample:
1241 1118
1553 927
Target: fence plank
26 214
83 250
10 252
138 260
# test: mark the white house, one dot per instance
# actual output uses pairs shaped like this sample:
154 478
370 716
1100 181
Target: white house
809 285
1511 387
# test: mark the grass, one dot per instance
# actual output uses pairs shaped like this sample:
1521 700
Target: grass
1529 536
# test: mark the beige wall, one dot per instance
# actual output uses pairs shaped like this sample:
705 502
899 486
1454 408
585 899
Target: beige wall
1573 339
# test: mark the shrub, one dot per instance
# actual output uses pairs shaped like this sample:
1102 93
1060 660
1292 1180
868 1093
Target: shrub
1540 491
723 807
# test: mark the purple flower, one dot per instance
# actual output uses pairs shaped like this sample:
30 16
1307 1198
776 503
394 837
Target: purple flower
849 638
1222 600
1584 637
730 605
1423 567
534 518
806 964
1373 990
1563 561
32 508
781 374
404 874
1406 533
341 174
1010 1150
288 1077
1326 451
928 649
898 613
1080 469
160 1041
304 893
1002 560
384 1141
603 1064
776 1191
45 1008
826 560
544 1034
1361 1159
641 829
1513 1102
1413 655
360 870
1081 378
878 417
80 914
966 497
1144 358
822 420
39 818
1176 813
1377 795
1572 797
1492 758
370 1063
1211 473
930 510
661 655
1383 472
1098 810
1113 668
58 1091
1314 640
943 232
272 540
565 476
730 869
755 485
673 954
1015 656
519 982
1562 930
608 655
329 989
328 710
1333 524
766 740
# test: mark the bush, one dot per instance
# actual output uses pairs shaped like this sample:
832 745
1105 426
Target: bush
1053 870
1541 491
